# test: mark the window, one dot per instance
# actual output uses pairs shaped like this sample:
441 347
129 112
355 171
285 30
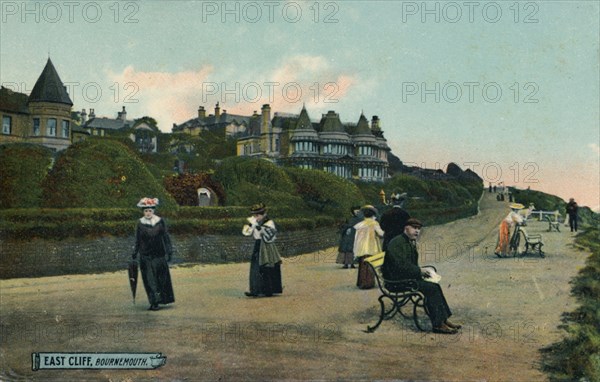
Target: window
6 124
36 127
65 129
51 127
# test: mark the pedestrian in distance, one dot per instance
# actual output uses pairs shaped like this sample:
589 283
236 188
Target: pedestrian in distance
153 244
572 209
346 247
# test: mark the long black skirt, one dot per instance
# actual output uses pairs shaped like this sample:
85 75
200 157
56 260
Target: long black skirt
264 280
157 280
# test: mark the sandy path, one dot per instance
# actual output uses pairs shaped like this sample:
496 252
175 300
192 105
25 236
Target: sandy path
509 308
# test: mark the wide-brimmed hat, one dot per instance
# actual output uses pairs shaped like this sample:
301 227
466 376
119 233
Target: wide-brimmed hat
516 206
258 209
414 223
370 207
148 203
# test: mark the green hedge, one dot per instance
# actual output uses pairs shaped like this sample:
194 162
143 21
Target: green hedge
24 224
101 173
23 167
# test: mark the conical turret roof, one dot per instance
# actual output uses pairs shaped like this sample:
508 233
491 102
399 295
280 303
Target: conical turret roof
49 87
363 125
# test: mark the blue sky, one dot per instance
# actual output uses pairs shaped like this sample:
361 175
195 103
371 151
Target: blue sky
510 89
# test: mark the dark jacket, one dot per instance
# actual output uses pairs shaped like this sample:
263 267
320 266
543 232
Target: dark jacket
572 208
347 234
392 223
401 260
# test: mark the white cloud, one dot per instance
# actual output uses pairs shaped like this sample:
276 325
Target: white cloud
167 97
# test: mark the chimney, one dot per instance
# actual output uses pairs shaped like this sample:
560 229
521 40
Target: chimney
375 123
217 110
201 112
266 114
83 116
92 114
122 115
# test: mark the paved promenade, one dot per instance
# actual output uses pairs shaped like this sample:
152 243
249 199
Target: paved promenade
315 330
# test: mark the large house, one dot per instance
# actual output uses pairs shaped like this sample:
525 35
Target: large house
219 122
144 135
43 117
349 150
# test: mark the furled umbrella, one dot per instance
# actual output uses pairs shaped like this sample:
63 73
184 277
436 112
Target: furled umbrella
132 272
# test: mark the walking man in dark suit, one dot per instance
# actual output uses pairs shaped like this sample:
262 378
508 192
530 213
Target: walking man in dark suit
393 221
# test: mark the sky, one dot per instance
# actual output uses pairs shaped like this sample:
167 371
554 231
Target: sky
509 89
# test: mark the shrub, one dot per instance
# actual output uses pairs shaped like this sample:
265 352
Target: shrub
324 192
23 167
100 173
577 357
234 172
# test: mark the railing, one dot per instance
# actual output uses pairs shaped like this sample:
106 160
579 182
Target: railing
540 214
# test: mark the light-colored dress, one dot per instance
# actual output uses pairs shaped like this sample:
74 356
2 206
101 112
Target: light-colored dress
366 240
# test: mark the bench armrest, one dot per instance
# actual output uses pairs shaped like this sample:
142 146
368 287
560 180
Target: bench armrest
401 285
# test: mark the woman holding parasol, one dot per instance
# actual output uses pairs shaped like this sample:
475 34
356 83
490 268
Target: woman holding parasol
153 244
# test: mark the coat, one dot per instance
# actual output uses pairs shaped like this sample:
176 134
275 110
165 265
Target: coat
366 240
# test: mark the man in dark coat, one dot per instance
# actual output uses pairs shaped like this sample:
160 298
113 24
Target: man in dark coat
393 221
401 262
572 208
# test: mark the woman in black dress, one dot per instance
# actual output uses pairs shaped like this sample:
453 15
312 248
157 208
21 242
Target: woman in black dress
153 244
265 264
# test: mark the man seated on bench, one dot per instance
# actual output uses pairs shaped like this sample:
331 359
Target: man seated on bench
401 262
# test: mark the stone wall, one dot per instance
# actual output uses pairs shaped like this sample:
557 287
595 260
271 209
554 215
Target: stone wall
41 257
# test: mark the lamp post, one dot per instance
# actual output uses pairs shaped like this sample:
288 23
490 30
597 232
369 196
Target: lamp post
382 196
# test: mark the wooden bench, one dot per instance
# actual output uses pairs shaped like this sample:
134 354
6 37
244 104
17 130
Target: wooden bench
408 292
532 242
552 224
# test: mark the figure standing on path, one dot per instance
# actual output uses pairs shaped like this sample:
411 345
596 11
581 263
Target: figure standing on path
346 248
153 243
265 264
401 262
394 220
506 224
572 208
366 243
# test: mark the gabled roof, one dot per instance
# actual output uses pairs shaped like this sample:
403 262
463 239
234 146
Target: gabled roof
13 102
49 87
